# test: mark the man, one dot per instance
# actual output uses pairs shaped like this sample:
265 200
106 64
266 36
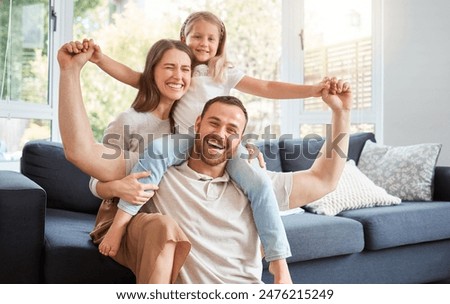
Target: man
211 210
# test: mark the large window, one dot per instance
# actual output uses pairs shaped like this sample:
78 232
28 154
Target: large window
25 113
336 38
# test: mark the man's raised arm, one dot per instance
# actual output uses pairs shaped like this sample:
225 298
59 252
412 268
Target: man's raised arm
323 176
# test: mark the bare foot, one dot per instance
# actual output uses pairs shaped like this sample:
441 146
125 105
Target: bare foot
280 271
111 242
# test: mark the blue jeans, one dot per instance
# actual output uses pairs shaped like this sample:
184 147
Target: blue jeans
173 150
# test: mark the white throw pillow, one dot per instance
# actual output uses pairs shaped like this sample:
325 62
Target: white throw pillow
354 191
404 171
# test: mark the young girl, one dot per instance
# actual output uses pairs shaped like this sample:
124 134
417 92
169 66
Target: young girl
205 34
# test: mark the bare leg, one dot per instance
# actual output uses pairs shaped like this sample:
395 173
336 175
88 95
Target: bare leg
111 242
280 271
162 274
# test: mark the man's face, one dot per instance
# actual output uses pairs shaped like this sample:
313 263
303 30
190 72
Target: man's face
219 133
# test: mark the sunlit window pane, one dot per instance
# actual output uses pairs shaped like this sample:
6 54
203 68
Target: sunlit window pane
338 42
14 133
24 51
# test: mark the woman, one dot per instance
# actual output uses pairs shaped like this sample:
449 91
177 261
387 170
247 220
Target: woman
153 247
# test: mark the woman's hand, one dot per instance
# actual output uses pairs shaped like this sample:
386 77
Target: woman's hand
132 191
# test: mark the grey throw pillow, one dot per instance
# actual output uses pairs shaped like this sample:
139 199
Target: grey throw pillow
404 171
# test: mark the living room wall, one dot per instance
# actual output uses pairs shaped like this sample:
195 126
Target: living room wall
416 74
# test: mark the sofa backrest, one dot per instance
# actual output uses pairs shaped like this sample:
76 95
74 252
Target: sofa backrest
299 154
67 187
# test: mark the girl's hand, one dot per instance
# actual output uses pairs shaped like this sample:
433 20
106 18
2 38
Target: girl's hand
131 190
253 152
318 88
97 56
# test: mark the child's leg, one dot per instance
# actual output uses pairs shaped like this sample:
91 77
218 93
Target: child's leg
111 242
160 154
258 187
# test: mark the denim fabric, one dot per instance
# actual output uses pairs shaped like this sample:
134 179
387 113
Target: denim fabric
162 153
256 184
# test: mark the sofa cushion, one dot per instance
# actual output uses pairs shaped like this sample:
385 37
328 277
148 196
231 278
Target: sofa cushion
404 171
354 191
314 236
407 223
299 154
22 207
66 186
71 257
271 153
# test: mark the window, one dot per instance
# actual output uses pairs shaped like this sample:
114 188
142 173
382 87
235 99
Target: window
338 41
25 112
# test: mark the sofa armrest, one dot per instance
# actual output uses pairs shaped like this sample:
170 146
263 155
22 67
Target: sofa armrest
441 184
22 218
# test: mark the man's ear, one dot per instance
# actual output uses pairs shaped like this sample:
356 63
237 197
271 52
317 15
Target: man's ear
197 123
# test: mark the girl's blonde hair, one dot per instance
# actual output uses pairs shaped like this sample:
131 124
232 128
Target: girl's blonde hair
218 64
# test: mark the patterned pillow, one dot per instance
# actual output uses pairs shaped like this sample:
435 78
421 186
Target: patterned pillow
354 191
406 172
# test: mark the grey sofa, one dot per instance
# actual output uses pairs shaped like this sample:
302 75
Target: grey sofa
47 212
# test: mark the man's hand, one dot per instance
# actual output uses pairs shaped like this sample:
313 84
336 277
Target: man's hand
339 96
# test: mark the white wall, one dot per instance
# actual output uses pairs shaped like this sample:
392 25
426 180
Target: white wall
417 73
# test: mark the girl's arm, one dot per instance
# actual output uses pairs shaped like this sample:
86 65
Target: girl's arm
114 68
280 90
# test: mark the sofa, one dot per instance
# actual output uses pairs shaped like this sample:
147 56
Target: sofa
47 212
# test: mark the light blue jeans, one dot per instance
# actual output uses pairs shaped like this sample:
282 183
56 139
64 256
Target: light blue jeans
173 150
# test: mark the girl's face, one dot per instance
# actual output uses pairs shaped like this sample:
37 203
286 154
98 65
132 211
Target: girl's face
203 40
173 75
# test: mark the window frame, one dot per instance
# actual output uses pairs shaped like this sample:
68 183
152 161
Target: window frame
60 31
292 71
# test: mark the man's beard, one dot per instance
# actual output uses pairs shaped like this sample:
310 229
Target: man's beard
213 150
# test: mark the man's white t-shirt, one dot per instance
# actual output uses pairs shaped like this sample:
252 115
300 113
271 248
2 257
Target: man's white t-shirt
217 218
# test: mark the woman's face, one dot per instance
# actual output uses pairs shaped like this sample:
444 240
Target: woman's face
203 39
173 75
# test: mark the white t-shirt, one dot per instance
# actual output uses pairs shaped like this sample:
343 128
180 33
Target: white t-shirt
132 131
217 218
202 89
